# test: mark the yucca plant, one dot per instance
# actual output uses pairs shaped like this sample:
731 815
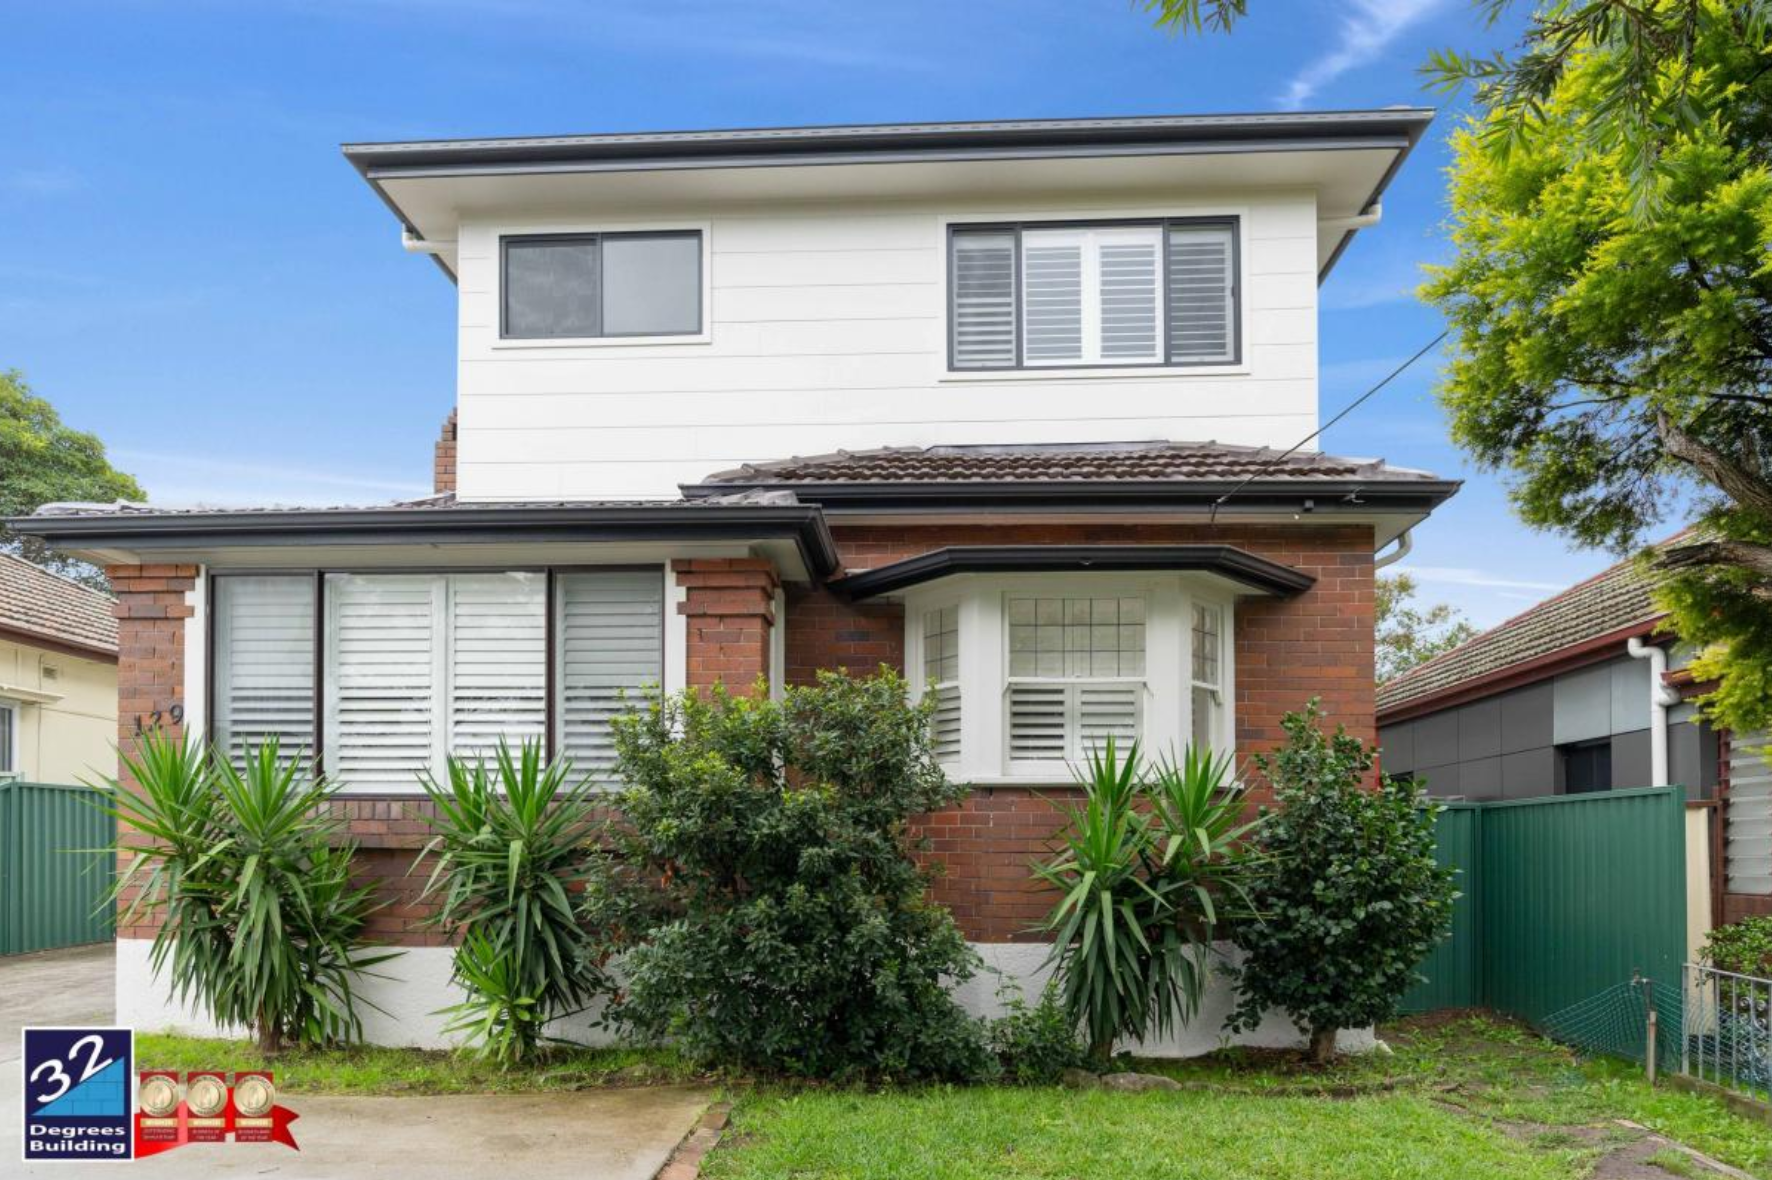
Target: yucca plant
260 925
509 851
1150 865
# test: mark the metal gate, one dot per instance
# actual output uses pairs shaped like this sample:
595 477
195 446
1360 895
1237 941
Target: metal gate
1564 898
54 874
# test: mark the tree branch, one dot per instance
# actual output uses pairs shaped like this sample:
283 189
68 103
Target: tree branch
1710 554
1748 488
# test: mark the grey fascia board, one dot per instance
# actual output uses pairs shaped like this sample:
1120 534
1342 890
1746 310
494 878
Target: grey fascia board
806 526
1226 561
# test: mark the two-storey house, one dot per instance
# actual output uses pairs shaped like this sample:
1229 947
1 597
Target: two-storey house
1011 406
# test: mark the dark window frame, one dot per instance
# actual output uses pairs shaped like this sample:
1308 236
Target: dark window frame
551 574
597 238
1593 754
1231 221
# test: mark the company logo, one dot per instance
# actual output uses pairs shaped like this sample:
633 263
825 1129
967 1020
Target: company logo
77 1083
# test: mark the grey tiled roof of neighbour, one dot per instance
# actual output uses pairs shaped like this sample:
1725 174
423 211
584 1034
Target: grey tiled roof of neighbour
444 502
1609 601
34 601
1145 461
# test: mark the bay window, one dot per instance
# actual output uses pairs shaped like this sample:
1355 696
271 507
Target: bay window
405 669
1094 294
1031 673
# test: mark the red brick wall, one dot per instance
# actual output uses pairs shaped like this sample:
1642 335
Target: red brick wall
151 612
729 603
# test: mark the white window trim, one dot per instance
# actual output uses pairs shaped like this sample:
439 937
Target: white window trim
499 233
10 770
1166 721
1239 214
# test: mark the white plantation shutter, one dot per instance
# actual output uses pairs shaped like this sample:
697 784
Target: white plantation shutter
1104 711
1076 676
1129 269
944 728
1748 834
610 639
497 661
1038 719
1052 295
264 663
1202 294
983 299
384 660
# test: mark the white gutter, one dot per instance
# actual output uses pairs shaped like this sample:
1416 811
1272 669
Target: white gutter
417 245
1660 697
1405 542
1366 220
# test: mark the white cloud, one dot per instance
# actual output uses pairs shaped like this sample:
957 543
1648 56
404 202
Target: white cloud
1366 30
1462 576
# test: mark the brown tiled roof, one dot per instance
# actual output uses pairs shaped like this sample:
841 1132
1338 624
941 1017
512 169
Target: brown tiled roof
1062 462
1609 601
37 602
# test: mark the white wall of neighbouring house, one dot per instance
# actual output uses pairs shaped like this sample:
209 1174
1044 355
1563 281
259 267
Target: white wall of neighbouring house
827 329
67 729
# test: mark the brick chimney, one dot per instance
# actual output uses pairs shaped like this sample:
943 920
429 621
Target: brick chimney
443 467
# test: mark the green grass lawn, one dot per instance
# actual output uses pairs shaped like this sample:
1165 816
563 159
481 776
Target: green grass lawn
1464 1098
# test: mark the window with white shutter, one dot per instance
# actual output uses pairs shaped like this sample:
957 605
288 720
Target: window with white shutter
610 628
1747 833
1075 676
1094 294
264 663
941 677
384 679
497 663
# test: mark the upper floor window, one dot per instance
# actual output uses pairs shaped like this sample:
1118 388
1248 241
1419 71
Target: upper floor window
1093 294
572 286
8 740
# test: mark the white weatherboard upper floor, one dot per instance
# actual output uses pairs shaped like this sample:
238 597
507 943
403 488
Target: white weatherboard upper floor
637 312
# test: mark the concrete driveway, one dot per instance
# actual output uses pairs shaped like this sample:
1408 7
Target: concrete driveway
601 1134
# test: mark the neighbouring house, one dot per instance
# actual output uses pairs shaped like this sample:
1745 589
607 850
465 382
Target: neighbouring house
1044 375
1588 691
58 677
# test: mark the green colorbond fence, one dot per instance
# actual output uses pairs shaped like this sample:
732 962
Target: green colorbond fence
52 887
1564 898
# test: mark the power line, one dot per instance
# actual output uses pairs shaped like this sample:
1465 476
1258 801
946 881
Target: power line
1212 518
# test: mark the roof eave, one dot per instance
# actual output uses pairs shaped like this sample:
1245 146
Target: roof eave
1227 561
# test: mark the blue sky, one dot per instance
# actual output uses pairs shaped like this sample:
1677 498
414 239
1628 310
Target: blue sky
189 268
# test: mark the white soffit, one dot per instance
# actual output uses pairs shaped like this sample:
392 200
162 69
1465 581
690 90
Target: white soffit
1342 179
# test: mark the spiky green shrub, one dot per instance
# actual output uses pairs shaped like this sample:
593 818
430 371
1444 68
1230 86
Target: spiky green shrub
247 872
1150 865
510 847
763 898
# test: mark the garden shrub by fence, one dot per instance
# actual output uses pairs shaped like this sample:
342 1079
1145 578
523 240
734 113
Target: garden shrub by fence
52 885
1565 898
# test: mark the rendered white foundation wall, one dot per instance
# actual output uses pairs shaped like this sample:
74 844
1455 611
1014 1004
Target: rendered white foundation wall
414 987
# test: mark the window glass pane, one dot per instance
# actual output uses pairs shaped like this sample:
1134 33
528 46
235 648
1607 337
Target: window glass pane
651 284
1205 720
264 664
941 646
610 630
383 722
8 737
497 663
1129 274
1052 296
1075 637
1202 294
550 287
983 299
1207 642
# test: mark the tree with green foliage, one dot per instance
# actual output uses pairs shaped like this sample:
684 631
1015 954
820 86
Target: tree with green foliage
1611 296
1409 634
43 461
1351 899
762 903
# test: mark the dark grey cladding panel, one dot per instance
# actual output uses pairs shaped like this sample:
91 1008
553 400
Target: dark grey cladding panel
1436 739
1397 743
1529 774
1479 730
1440 781
1480 778
1526 717
1630 760
1686 742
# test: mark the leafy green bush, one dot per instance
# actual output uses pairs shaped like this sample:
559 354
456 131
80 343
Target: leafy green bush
762 895
511 847
1744 947
1351 899
1152 862
247 871
1035 1044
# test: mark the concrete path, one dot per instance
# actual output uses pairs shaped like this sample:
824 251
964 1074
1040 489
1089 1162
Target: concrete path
593 1135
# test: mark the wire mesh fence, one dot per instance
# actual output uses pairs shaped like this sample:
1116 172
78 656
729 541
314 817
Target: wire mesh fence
1727 1031
1615 1023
